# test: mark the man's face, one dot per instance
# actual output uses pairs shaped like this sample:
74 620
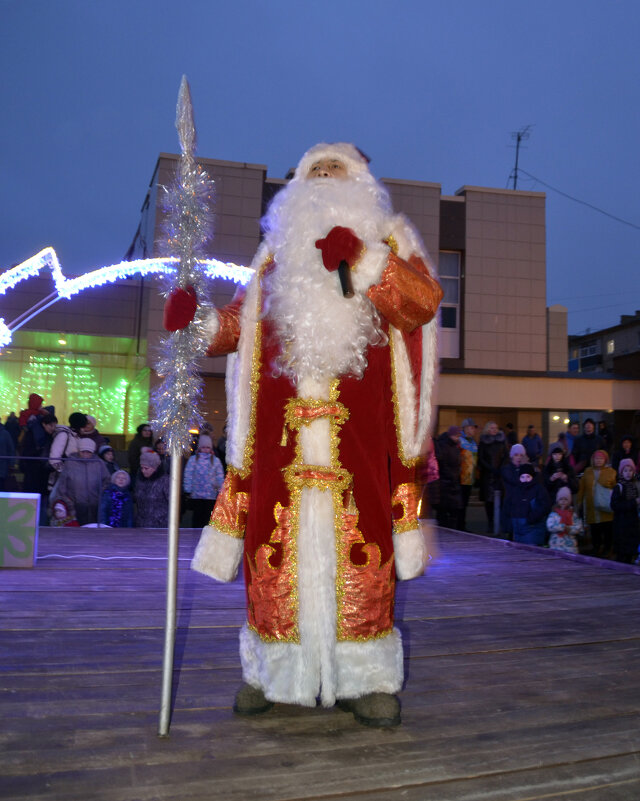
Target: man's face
574 430
531 430
328 168
589 428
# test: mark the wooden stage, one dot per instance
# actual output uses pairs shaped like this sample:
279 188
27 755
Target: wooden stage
523 682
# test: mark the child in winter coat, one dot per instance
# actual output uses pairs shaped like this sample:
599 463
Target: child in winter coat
62 512
625 503
105 452
563 524
529 508
203 478
116 505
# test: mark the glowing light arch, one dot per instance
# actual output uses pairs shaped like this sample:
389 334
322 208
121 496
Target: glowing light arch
67 287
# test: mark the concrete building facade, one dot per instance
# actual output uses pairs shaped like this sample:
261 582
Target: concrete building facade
503 352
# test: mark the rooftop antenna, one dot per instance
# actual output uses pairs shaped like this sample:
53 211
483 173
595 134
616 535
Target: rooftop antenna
519 136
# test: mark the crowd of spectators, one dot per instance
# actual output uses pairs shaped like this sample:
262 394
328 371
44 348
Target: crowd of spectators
582 495
83 481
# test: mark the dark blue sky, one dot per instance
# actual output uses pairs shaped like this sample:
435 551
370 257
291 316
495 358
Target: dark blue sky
430 90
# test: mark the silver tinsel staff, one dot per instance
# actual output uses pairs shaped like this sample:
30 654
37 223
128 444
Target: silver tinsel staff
188 225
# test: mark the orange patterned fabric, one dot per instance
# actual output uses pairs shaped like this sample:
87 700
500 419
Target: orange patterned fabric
406 295
407 497
272 593
232 506
365 586
226 340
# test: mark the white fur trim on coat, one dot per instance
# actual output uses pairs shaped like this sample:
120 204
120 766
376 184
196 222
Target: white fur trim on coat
282 671
411 552
217 554
239 367
368 270
212 326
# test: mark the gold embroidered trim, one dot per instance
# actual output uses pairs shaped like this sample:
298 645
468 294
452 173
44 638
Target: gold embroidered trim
364 592
273 590
230 512
391 241
408 496
406 460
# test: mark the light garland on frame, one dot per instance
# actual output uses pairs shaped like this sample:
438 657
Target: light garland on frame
67 287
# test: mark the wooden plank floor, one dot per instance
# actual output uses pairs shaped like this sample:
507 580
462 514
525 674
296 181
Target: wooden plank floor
522 667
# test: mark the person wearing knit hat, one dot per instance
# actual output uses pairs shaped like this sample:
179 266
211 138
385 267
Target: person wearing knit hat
202 481
336 354
625 503
105 452
86 446
529 507
65 444
151 491
594 498
90 431
518 450
510 475
563 524
116 506
82 478
558 472
142 439
62 513
149 459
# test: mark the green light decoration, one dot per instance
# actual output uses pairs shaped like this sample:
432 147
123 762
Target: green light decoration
71 383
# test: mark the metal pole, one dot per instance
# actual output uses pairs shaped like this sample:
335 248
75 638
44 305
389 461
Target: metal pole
172 580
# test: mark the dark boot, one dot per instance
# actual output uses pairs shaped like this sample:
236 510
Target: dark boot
381 710
250 701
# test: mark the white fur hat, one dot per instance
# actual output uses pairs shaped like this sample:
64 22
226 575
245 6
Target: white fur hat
349 154
87 444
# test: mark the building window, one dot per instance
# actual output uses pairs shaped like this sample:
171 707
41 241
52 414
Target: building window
449 271
610 345
591 348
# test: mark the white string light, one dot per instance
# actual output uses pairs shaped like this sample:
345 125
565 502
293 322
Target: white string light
67 287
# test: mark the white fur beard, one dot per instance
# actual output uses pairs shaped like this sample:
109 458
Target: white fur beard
322 333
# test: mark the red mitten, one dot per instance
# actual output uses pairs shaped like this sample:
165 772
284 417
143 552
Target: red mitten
179 308
340 244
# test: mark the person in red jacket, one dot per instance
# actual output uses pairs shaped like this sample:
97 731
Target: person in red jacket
329 412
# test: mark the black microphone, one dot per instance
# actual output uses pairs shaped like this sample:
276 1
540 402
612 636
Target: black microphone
344 273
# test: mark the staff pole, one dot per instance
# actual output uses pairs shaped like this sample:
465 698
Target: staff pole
171 595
